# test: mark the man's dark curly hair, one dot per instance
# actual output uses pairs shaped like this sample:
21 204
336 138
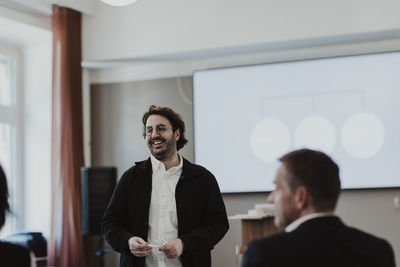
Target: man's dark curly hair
174 118
4 206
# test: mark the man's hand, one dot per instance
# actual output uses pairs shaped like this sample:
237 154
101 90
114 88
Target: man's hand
138 246
173 249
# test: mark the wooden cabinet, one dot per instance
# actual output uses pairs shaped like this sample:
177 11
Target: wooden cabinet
256 228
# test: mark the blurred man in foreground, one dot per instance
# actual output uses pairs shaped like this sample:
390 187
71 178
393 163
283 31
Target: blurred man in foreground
307 190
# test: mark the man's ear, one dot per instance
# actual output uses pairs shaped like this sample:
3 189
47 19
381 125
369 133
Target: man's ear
177 134
302 197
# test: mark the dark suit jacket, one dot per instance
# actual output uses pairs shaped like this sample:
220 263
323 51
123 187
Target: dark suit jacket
324 241
202 219
14 256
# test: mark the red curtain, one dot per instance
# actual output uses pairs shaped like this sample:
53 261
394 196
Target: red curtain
67 245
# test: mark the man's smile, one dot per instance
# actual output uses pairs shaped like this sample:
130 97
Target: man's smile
157 142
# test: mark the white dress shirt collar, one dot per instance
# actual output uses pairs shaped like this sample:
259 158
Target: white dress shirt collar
159 165
293 226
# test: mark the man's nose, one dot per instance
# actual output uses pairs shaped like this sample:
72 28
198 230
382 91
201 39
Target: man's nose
155 133
271 197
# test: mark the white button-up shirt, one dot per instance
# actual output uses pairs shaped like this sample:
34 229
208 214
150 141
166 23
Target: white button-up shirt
163 220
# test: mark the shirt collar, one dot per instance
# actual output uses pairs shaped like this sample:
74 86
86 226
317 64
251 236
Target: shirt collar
293 226
159 165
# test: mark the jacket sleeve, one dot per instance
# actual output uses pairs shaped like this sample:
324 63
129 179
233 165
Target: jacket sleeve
215 223
114 226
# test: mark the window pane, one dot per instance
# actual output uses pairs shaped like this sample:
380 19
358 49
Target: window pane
5 161
5 81
5 147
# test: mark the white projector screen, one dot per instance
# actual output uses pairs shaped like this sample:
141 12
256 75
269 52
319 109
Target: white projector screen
245 118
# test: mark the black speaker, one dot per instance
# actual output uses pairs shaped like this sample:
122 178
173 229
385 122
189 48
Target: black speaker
98 184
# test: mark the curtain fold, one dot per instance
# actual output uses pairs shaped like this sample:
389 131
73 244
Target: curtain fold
67 245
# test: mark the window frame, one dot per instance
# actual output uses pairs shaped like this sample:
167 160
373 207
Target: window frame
12 115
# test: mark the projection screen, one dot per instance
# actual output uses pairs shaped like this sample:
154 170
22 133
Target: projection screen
246 117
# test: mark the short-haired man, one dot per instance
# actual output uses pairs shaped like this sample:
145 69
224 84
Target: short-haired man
307 190
165 199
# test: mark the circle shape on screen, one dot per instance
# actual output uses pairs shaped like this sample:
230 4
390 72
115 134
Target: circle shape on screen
363 135
315 132
270 138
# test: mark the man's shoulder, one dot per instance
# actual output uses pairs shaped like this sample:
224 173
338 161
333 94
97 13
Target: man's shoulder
272 240
136 168
15 252
282 240
324 232
195 170
141 164
367 238
6 246
268 249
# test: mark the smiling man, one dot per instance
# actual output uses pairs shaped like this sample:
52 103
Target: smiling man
165 211
307 190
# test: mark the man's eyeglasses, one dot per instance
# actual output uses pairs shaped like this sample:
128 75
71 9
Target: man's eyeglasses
161 128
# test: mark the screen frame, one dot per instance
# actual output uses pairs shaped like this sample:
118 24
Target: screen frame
353 189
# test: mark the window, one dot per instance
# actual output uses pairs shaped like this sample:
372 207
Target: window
9 125
5 80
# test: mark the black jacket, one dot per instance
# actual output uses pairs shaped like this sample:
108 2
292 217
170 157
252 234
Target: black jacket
12 255
202 219
324 241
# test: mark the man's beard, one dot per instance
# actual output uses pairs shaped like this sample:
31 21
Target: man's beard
165 153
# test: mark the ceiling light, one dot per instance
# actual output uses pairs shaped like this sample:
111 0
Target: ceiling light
118 2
